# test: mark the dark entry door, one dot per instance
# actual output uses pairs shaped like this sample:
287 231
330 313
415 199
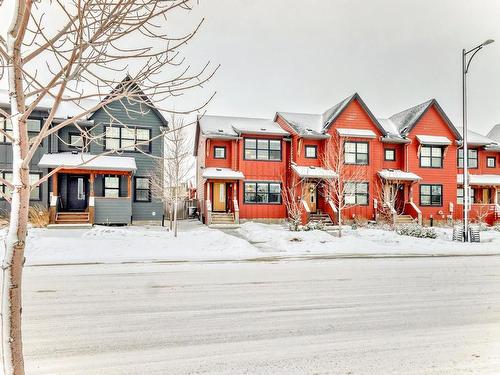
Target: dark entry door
77 193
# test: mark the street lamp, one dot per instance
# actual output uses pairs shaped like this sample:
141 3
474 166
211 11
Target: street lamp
466 60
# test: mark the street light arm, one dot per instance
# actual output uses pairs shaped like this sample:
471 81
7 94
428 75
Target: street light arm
477 49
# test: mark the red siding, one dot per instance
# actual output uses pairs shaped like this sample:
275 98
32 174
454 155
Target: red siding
210 161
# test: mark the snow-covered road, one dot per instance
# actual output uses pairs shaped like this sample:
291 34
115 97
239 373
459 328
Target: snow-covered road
342 316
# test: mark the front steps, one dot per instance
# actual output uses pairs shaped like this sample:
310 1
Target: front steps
404 219
324 219
223 220
72 218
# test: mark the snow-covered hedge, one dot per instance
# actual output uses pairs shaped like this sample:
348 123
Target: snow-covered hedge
415 230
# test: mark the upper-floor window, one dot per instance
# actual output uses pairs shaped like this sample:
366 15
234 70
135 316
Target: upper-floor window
127 138
431 156
491 162
76 140
473 158
219 152
142 189
35 193
389 154
33 125
431 195
262 149
356 153
263 192
356 193
311 152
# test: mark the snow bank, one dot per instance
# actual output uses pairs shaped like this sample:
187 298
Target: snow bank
363 241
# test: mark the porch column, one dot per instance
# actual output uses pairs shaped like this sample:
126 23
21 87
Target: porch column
54 184
91 199
129 186
53 200
92 178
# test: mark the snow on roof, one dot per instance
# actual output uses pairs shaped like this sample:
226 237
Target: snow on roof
480 179
225 126
66 109
222 173
304 123
433 140
357 133
390 127
314 172
334 111
404 120
476 139
87 161
398 175
494 133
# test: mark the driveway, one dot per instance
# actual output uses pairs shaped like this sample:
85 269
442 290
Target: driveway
340 316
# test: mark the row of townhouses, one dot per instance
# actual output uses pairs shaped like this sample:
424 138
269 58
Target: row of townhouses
244 164
109 189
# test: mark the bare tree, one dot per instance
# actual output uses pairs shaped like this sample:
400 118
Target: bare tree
342 191
292 198
69 62
174 170
387 192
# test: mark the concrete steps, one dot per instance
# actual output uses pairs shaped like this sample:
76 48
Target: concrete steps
222 218
72 218
404 219
325 219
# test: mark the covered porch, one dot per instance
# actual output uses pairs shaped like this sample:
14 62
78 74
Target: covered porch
396 196
89 189
221 196
484 197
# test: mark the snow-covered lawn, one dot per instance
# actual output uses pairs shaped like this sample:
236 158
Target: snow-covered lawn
276 238
197 242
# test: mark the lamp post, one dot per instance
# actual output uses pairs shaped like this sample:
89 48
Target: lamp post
467 57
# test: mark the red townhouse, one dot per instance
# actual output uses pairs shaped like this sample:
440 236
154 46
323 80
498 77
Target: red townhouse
244 164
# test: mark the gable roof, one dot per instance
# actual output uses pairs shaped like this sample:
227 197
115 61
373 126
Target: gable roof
494 133
316 125
127 81
406 120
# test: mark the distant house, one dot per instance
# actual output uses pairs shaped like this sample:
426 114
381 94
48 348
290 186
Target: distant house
111 189
244 164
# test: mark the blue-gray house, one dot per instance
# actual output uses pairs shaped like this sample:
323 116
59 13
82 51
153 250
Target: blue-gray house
114 188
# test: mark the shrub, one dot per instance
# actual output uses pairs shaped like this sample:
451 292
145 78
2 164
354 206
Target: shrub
415 230
38 216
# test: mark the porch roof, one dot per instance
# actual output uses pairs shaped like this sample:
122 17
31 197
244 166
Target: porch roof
314 172
480 179
398 175
434 140
222 174
69 160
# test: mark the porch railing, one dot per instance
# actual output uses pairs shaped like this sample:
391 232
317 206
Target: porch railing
306 213
236 209
411 208
208 208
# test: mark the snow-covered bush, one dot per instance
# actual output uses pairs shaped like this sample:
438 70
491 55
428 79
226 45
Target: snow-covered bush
314 225
415 230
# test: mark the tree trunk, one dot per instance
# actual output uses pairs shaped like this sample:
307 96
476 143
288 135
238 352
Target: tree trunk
175 214
340 222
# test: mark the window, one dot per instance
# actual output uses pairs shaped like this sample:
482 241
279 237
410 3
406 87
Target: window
472 158
311 152
76 140
112 186
356 193
263 192
356 153
142 189
491 162
431 157
390 154
219 152
35 194
431 195
460 195
127 138
262 149
33 126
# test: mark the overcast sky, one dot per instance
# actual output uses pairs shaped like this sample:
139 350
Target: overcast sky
305 56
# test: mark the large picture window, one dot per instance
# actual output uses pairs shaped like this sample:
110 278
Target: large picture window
112 186
262 149
473 160
431 157
431 195
356 153
263 192
35 194
356 193
142 189
127 138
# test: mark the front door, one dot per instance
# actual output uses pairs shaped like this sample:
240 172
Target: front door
310 196
77 193
498 196
486 195
219 196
